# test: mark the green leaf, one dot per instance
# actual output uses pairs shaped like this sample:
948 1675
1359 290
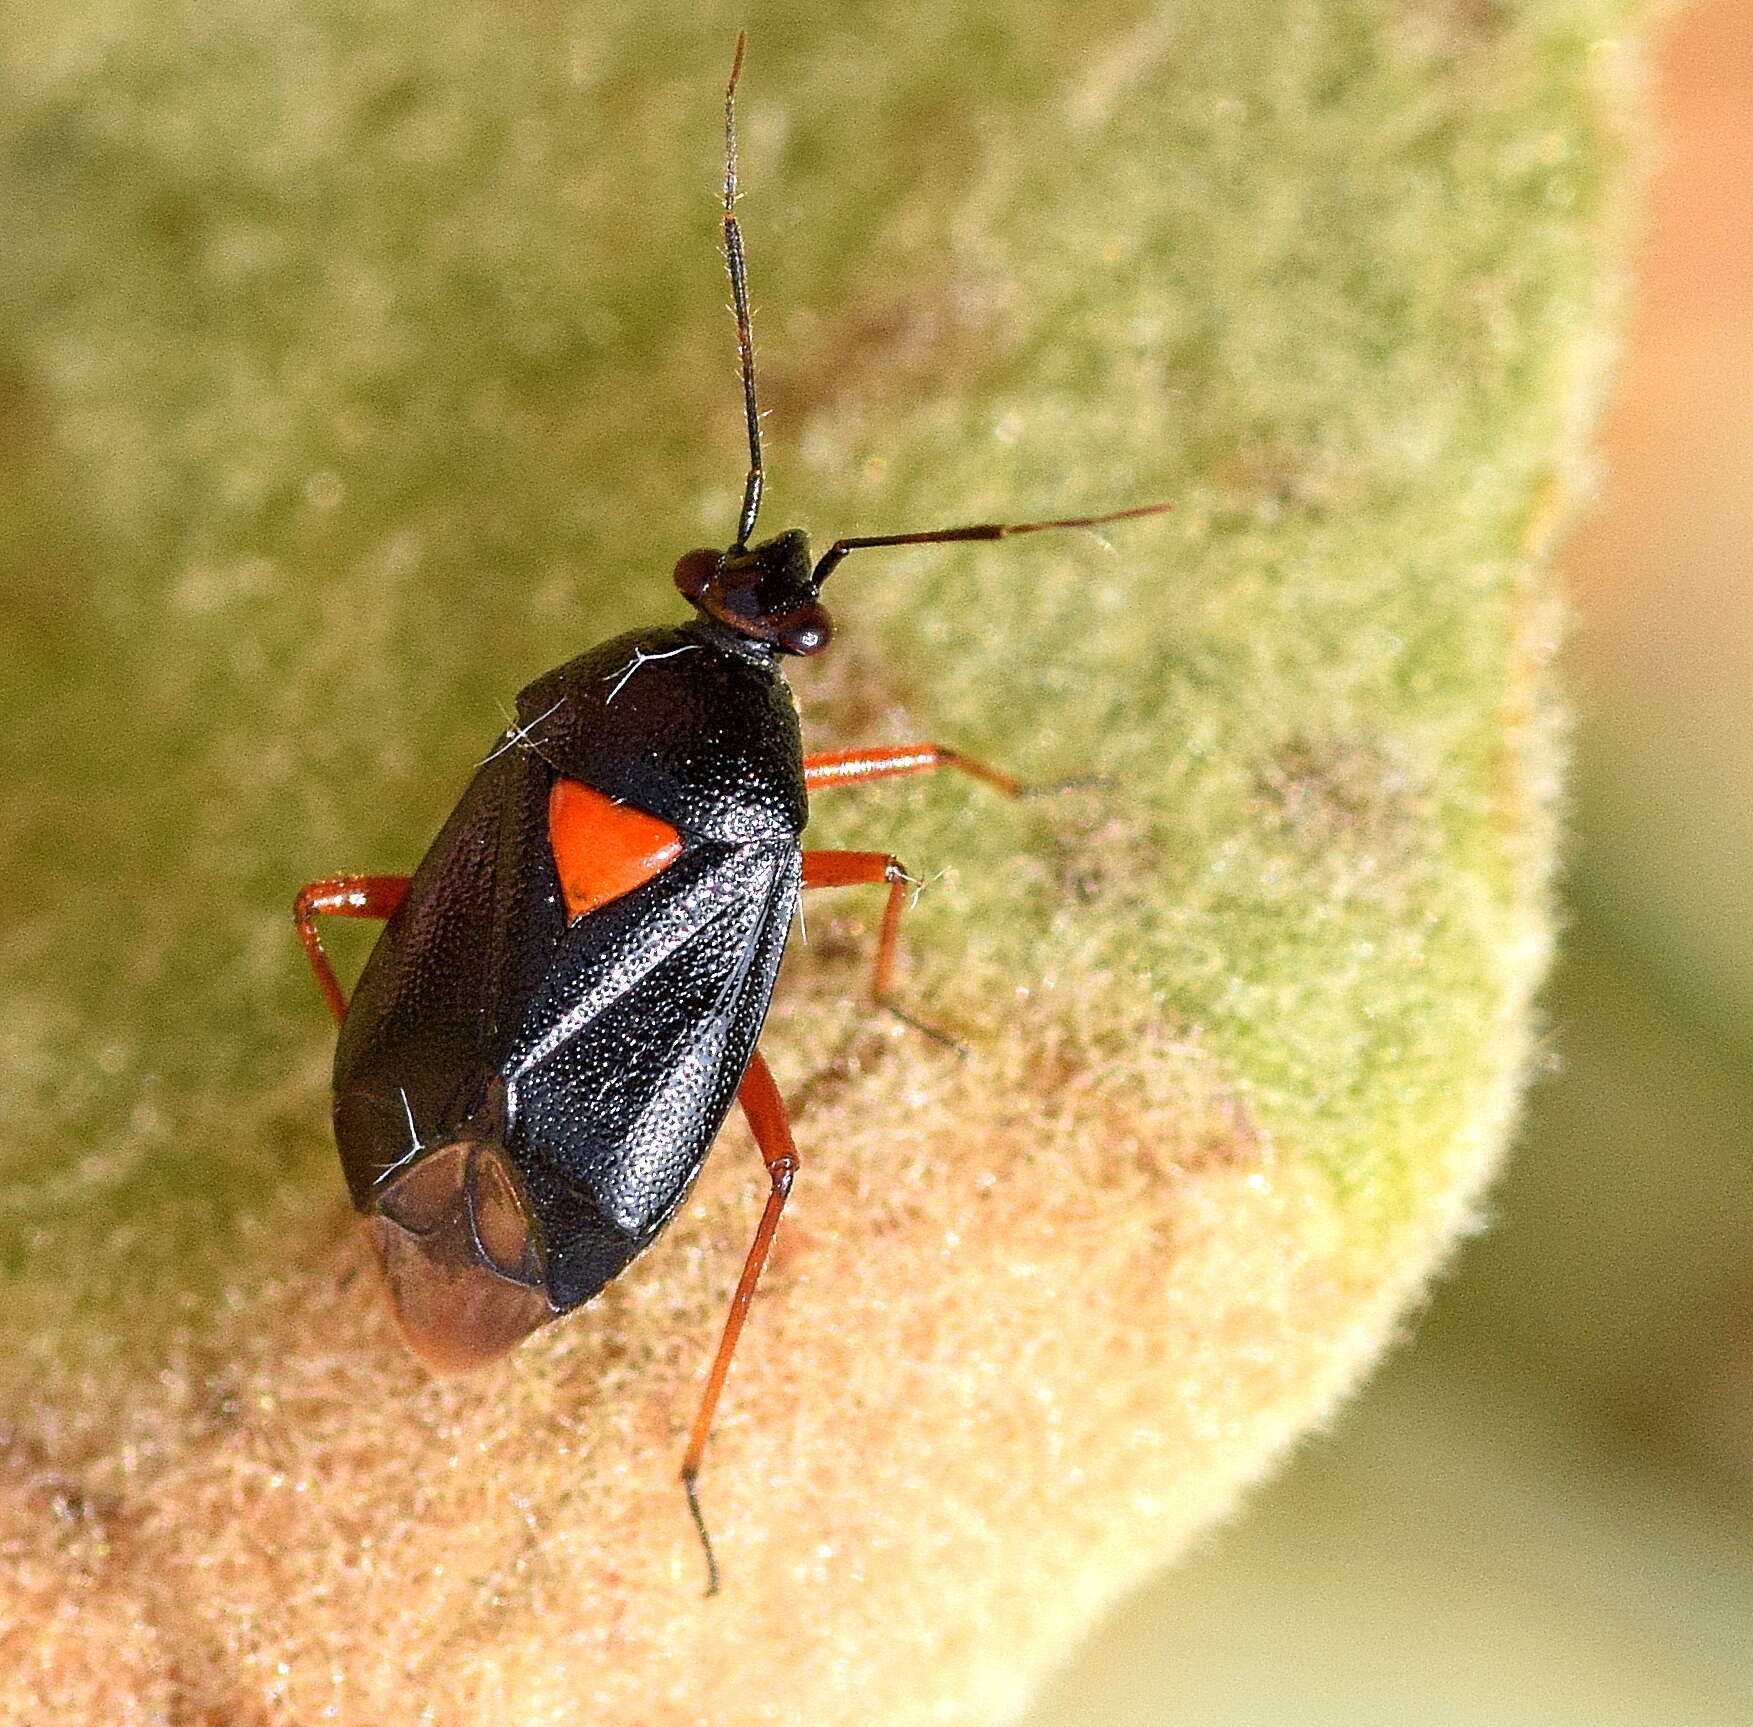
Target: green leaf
358 363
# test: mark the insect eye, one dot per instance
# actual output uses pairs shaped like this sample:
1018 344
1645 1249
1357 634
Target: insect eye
806 631
694 572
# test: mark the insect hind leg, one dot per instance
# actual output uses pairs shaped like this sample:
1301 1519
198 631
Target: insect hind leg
771 1126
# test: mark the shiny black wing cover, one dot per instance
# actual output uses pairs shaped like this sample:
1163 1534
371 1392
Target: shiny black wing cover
604 1056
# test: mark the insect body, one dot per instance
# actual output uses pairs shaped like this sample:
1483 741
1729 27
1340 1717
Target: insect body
567 994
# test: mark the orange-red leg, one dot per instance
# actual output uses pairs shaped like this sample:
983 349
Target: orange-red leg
342 896
867 869
765 1110
847 767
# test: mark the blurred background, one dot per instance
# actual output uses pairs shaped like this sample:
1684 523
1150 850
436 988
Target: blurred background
1541 1512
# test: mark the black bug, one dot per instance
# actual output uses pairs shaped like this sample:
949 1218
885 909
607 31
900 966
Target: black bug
567 993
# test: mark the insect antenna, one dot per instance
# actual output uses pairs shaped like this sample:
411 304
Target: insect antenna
979 531
739 290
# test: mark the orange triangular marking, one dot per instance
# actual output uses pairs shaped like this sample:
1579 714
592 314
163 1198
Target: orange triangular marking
603 849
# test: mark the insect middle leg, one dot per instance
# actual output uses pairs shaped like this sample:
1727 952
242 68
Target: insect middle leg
342 896
771 1126
868 869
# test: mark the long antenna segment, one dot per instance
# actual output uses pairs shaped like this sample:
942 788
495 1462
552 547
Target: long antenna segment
739 289
979 531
